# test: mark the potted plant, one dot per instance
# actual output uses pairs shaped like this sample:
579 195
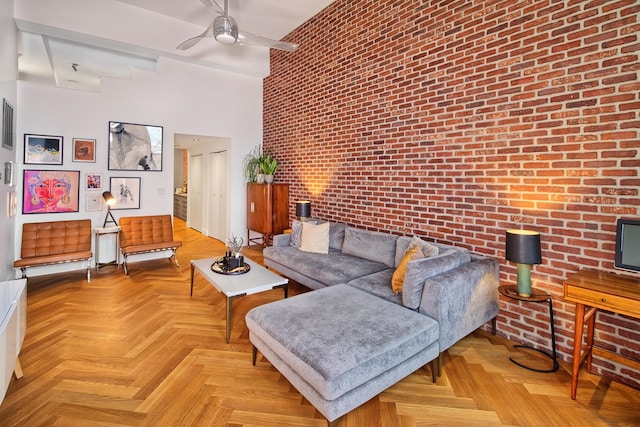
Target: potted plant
268 166
251 164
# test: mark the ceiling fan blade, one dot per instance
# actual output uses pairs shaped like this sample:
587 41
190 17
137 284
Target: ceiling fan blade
213 5
252 39
189 43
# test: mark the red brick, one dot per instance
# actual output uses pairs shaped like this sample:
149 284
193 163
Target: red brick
455 121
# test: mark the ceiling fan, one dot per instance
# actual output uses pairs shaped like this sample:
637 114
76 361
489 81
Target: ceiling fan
225 30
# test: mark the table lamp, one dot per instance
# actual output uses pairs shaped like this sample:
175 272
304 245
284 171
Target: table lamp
303 209
523 248
109 200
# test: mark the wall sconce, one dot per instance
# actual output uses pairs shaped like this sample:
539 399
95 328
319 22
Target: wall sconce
523 247
303 209
109 200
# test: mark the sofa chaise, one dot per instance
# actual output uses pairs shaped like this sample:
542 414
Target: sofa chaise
353 336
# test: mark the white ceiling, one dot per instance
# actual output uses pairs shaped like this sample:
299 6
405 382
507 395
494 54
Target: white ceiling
50 43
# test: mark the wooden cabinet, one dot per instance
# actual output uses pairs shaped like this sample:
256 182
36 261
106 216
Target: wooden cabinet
180 206
267 210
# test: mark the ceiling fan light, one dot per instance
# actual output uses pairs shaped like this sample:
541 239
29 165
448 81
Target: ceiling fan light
225 30
225 38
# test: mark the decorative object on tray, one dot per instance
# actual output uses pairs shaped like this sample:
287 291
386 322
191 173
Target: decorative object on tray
221 266
232 262
234 244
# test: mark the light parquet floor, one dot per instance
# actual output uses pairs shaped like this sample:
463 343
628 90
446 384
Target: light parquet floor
138 351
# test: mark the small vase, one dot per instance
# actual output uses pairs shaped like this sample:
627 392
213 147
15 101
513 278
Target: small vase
260 178
268 179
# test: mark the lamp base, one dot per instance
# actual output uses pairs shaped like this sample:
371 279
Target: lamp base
106 218
524 280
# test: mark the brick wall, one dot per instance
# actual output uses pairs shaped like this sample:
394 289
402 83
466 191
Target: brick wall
458 120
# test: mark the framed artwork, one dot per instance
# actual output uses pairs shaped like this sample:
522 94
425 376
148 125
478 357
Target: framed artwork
126 191
7 125
94 202
12 208
50 191
84 150
42 150
8 173
93 181
135 147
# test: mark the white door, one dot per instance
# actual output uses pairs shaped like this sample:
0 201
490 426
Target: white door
218 195
196 180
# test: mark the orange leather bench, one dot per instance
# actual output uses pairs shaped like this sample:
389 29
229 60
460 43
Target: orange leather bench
55 242
143 234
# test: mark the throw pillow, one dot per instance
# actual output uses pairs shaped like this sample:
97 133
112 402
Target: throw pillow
315 238
296 232
397 280
428 249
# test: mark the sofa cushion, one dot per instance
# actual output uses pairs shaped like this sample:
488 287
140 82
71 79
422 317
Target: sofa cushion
403 244
378 284
427 249
315 238
329 269
401 270
371 245
296 232
330 339
336 235
421 269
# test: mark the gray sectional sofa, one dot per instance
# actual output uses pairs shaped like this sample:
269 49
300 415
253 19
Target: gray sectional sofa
353 337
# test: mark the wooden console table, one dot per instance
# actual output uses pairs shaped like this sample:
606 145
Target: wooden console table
591 291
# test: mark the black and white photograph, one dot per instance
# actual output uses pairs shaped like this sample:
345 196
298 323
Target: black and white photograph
126 191
134 147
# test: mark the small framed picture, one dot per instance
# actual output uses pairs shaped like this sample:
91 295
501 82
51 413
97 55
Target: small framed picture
84 150
93 181
126 191
50 191
42 150
94 202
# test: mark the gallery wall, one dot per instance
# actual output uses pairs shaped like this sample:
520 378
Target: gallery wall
458 120
177 97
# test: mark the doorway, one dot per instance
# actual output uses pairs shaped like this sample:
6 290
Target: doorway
206 171
218 195
194 217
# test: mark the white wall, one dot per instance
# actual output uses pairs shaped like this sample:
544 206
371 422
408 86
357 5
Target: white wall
180 97
8 76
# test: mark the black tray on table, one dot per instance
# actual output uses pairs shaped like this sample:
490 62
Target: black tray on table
218 267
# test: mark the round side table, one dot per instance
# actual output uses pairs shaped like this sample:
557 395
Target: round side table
510 291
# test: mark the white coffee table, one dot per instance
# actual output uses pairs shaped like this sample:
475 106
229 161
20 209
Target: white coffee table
258 279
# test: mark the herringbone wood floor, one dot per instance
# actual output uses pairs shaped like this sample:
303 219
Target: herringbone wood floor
139 351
